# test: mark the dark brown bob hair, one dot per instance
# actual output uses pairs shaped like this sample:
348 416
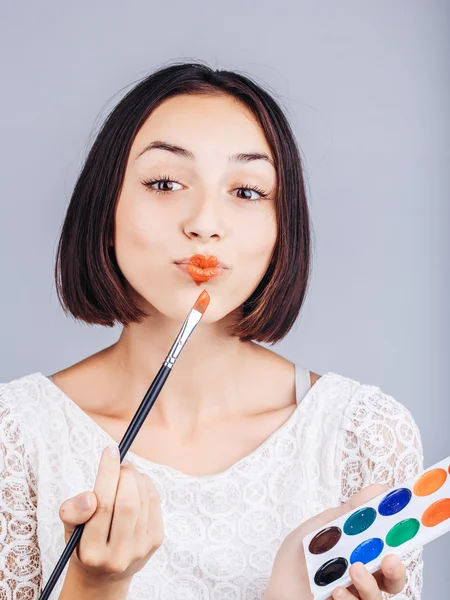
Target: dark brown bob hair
89 283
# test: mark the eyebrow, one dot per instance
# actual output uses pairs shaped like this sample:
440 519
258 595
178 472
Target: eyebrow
244 157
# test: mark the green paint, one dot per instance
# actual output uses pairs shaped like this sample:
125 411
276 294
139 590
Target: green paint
402 532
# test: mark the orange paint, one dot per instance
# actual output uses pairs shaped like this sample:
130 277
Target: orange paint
201 268
202 302
436 513
430 482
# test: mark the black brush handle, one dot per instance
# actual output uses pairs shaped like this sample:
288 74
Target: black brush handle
125 443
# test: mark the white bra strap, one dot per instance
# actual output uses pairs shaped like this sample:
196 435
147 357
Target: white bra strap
302 382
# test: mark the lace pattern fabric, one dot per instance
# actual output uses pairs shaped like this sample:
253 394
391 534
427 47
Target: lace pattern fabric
222 531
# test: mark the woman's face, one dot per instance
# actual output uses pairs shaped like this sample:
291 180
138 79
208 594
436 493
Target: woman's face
202 209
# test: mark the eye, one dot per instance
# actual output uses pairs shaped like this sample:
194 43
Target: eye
164 179
257 190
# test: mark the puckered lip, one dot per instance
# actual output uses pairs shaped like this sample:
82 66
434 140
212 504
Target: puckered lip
208 263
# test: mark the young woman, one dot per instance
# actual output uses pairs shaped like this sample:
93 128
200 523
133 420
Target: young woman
243 452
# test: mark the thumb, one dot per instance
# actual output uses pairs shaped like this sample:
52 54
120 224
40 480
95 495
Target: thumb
77 510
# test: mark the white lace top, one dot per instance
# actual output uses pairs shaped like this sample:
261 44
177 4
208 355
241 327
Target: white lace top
221 531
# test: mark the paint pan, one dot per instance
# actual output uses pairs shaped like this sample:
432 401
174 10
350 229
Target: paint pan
396 522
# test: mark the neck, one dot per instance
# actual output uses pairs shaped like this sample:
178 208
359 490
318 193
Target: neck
206 381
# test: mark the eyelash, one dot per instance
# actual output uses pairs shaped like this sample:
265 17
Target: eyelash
150 182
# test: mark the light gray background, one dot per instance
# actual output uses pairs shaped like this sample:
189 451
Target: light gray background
366 87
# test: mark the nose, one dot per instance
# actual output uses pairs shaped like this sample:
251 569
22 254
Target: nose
204 223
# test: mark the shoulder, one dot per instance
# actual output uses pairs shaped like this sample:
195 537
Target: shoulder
21 404
21 390
379 440
364 404
370 406
269 358
18 416
314 377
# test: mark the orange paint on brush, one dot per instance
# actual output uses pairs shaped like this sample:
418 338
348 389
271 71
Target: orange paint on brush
430 482
201 268
436 513
202 302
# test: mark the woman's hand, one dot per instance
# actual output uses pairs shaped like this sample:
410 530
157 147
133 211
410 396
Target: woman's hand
123 524
289 578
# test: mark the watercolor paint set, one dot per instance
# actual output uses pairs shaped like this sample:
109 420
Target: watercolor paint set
395 522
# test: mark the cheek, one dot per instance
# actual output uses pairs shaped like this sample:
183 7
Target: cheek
257 242
140 229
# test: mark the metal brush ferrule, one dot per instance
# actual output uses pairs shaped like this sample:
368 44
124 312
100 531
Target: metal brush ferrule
191 322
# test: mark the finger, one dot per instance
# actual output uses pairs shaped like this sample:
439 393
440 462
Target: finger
341 593
97 529
364 582
77 510
353 591
126 512
140 532
392 569
155 524
391 577
365 495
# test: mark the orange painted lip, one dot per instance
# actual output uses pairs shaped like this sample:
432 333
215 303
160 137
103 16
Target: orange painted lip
202 267
203 261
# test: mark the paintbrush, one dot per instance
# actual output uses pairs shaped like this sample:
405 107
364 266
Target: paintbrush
190 323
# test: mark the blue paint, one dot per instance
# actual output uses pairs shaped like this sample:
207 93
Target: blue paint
394 502
367 551
360 520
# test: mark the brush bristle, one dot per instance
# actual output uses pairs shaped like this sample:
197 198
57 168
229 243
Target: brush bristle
202 302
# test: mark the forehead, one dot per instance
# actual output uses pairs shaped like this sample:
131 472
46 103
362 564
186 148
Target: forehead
220 124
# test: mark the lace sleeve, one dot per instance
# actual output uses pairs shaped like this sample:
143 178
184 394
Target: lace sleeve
20 564
379 442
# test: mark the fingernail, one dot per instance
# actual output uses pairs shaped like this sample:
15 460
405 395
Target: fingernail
339 592
113 451
359 570
126 461
84 501
394 565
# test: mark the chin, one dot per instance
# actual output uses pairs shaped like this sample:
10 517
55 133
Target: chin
174 301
